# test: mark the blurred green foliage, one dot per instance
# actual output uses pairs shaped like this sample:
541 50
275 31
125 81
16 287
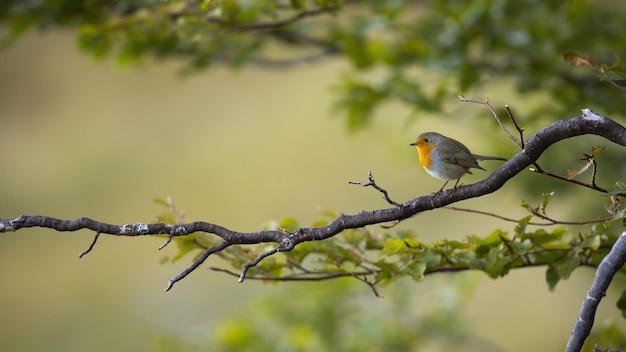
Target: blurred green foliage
421 51
313 317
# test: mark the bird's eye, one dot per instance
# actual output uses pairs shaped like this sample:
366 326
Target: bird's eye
426 140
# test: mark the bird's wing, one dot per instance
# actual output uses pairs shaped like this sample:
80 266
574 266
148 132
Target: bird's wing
457 154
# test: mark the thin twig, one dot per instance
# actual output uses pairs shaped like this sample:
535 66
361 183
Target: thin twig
507 244
258 259
539 170
519 129
372 183
594 171
493 111
93 243
196 263
370 284
551 222
169 239
305 276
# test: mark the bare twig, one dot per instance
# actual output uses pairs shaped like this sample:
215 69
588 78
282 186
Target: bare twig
256 261
372 183
370 284
519 129
93 243
304 276
196 263
539 170
169 239
495 115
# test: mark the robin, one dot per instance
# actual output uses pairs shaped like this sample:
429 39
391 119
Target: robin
445 158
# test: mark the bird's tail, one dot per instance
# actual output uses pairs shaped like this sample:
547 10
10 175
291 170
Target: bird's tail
480 158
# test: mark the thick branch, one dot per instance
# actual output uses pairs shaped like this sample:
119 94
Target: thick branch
587 123
604 275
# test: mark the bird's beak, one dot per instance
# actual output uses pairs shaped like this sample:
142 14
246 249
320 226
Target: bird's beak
413 144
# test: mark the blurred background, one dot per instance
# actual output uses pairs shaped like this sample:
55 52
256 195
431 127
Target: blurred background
236 148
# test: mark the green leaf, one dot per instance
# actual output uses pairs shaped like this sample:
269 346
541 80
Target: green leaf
415 270
185 244
552 240
521 247
591 242
524 204
522 224
545 202
270 266
387 272
561 269
483 246
400 246
552 277
430 257
297 4
95 40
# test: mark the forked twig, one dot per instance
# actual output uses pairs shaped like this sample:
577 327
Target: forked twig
372 183
495 115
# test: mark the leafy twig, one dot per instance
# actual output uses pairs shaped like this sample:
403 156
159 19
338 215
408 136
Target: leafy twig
616 68
551 222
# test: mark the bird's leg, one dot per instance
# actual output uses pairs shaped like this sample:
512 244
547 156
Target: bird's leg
442 187
455 184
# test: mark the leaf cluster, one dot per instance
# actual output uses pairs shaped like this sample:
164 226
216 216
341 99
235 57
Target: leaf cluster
341 317
415 52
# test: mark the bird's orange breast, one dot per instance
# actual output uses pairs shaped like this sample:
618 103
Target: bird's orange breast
424 151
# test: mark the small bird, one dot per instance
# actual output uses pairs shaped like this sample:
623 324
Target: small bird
445 158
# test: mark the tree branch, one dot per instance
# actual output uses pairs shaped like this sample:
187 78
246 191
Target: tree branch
273 24
588 123
549 221
606 270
